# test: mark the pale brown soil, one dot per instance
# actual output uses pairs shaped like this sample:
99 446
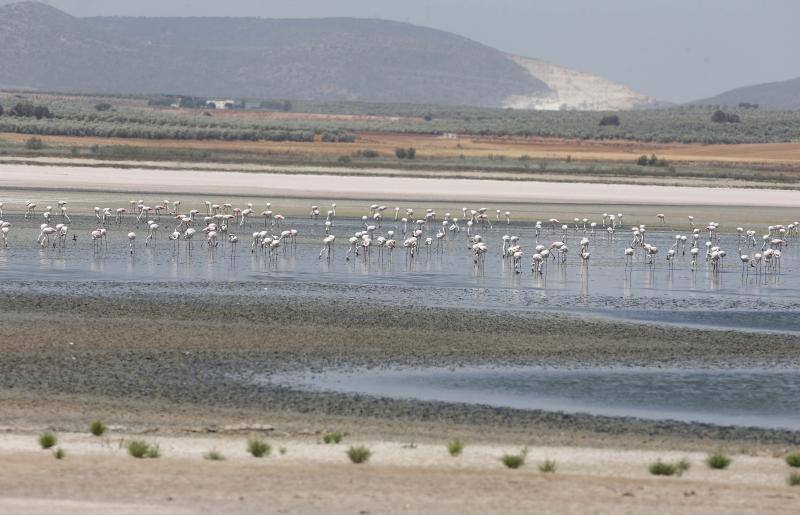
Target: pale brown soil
97 476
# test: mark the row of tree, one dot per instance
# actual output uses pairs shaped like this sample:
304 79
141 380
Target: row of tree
406 153
721 116
61 127
28 110
653 160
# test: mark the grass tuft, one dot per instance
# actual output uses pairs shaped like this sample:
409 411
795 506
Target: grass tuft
334 437
547 467
660 468
283 450
59 454
794 479
455 447
718 461
515 461
47 440
97 428
214 455
793 459
141 449
258 447
359 454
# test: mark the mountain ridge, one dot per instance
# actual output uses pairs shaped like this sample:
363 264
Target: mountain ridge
778 95
327 59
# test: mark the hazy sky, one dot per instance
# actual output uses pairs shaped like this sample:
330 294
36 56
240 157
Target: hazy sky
673 49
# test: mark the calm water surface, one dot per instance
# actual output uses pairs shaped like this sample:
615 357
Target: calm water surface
742 397
606 287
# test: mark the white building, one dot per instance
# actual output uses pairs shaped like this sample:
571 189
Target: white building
221 104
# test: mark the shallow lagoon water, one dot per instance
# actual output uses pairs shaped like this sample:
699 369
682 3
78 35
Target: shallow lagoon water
741 397
729 300
605 288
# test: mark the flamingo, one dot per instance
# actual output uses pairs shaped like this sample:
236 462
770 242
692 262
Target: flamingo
4 230
151 233
188 236
628 256
131 242
536 263
327 246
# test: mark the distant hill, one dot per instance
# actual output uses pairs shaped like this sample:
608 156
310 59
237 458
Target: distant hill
43 48
783 95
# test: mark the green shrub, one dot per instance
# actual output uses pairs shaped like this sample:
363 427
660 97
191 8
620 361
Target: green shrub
718 461
515 461
721 116
138 449
214 455
455 447
258 447
141 449
793 459
334 437
794 479
34 144
548 466
97 428
359 454
611 119
660 468
47 440
59 454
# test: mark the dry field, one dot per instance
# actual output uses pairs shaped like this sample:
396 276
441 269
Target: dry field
770 154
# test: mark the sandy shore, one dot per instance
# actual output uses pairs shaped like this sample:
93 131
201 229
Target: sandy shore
368 187
97 476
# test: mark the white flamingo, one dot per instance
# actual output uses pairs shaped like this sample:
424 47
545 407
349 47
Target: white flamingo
132 242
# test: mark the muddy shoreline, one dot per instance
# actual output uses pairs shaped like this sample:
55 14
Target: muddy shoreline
197 351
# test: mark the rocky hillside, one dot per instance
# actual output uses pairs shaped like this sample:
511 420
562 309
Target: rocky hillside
574 90
42 48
